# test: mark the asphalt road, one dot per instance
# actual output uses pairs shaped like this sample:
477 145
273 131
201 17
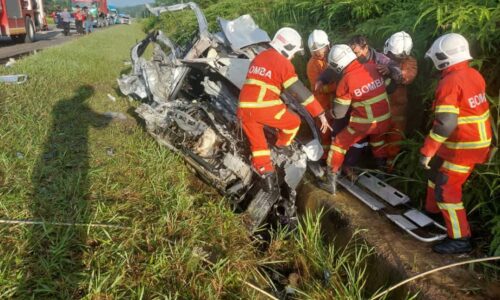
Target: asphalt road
44 40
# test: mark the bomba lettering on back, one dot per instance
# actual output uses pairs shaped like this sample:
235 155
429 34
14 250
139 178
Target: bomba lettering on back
476 100
369 87
260 71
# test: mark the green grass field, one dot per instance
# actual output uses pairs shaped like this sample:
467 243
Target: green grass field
62 160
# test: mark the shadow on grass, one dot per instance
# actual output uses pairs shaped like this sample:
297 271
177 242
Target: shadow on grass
53 263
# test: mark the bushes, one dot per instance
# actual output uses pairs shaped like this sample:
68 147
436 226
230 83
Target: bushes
477 20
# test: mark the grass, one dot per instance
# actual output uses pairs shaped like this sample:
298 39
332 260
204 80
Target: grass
63 160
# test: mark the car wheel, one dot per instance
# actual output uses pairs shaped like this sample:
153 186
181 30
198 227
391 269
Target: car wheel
30 31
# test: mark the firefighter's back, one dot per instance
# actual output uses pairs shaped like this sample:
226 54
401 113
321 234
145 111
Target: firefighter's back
471 139
369 99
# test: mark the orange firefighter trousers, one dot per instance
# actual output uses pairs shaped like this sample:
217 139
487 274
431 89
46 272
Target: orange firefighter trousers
444 193
354 133
253 125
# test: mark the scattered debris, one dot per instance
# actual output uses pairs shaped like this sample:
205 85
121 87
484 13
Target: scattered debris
19 155
127 63
17 79
115 115
112 98
10 62
110 151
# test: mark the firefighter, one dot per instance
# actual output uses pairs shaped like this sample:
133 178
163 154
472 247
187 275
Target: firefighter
362 89
319 45
401 72
459 139
271 73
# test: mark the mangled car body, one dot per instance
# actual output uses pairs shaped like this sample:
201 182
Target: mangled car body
190 98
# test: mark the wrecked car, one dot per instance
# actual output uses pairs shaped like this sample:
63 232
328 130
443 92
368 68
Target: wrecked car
190 98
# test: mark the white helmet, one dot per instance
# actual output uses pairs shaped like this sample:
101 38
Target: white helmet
287 41
340 56
318 39
399 44
448 50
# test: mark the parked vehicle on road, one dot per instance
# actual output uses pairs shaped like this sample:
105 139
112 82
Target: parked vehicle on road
21 19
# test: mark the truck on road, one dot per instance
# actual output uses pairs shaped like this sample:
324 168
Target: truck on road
21 19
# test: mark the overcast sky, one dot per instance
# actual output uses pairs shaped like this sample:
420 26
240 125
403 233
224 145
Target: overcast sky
128 2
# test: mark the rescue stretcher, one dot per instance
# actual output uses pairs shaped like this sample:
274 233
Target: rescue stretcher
385 199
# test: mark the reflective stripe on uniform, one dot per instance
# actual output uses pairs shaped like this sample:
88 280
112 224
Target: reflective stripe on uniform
290 81
350 130
452 208
483 140
431 184
280 114
263 88
468 145
438 138
387 81
264 85
456 168
377 144
368 121
267 103
260 153
370 101
338 149
482 131
474 119
308 101
367 105
446 109
330 156
342 101
292 133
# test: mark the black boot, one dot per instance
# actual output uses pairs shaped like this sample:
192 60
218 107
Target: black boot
453 246
270 182
381 165
330 185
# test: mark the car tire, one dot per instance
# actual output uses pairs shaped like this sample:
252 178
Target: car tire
30 31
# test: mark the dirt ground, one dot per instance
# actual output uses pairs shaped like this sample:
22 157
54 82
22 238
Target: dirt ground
397 253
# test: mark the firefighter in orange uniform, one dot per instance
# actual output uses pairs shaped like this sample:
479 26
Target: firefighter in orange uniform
459 139
319 45
401 72
362 88
270 73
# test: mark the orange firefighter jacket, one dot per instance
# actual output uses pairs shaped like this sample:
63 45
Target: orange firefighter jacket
268 75
363 88
407 73
461 133
315 68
